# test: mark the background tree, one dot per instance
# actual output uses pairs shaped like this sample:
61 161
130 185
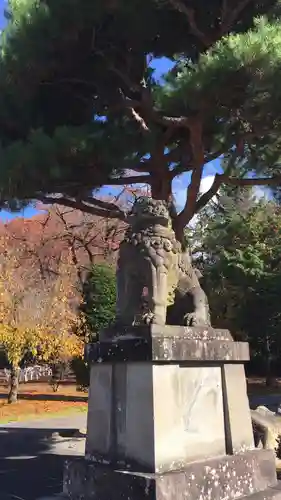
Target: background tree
17 336
242 271
97 311
58 322
99 298
80 106
41 328
57 232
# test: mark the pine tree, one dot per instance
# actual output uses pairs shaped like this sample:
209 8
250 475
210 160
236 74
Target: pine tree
80 106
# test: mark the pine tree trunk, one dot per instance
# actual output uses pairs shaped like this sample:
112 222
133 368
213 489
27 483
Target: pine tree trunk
14 384
161 185
270 380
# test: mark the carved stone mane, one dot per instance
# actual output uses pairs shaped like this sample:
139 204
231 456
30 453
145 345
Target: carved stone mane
150 256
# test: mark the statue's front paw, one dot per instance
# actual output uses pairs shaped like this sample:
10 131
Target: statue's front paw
152 319
193 319
147 318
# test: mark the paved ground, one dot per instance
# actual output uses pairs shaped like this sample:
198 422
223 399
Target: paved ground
32 455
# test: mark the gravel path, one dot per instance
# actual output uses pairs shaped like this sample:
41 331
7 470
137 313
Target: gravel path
32 454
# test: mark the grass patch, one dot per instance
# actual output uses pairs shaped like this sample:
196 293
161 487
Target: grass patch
22 410
37 400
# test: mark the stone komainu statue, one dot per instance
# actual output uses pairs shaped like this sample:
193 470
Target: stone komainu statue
151 258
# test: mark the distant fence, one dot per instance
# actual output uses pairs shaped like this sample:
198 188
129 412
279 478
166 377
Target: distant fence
28 374
34 373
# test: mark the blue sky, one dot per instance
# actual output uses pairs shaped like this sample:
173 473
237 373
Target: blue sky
180 183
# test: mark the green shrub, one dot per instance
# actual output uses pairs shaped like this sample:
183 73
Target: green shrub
82 373
99 298
98 309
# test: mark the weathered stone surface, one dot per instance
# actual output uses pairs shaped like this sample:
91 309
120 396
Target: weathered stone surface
130 395
148 331
267 428
162 401
167 343
99 420
236 409
247 475
55 497
168 436
151 257
268 494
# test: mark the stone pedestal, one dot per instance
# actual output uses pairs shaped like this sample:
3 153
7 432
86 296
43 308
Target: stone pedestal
169 418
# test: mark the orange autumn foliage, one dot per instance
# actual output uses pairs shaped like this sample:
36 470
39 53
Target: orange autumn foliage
44 331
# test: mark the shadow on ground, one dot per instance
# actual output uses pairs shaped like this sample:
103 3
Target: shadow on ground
29 469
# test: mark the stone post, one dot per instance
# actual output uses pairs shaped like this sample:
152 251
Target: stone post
169 419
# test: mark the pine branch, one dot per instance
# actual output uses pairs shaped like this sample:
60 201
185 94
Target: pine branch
135 115
231 15
223 178
90 205
189 13
219 180
134 179
104 205
131 106
206 197
171 121
180 169
216 154
173 156
258 181
198 164
228 19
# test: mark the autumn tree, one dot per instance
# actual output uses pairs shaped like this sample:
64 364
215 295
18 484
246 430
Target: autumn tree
39 322
81 107
87 238
59 320
17 334
56 232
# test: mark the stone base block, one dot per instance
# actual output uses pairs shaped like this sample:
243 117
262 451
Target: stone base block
249 475
268 494
167 398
